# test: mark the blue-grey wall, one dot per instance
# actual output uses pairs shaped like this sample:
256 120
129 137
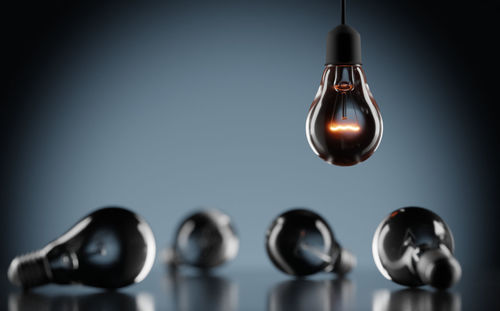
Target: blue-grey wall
167 108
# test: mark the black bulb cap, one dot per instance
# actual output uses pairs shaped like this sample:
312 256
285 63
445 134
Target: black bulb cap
438 268
345 262
343 46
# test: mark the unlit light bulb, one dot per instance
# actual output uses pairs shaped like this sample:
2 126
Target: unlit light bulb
110 248
413 246
300 242
204 239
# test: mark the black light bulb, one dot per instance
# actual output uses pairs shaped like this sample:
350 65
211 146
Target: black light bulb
344 125
110 248
300 242
205 239
413 246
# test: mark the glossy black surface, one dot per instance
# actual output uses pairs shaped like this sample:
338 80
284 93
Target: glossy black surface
302 294
300 242
109 301
415 300
110 248
344 125
406 240
264 288
205 239
213 292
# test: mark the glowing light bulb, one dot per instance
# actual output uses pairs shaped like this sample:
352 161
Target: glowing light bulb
344 125
110 248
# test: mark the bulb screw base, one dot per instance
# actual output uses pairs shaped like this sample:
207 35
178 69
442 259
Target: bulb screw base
438 268
346 261
29 270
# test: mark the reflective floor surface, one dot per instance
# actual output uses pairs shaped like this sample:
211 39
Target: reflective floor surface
230 289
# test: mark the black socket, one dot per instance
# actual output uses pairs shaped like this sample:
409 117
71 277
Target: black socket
343 46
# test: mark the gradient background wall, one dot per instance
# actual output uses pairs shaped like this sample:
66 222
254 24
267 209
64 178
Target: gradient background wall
164 108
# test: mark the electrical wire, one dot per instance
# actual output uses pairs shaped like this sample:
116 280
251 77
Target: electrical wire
342 7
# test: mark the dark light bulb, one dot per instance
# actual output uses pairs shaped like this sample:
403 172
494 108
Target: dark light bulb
344 125
413 246
110 248
205 239
300 242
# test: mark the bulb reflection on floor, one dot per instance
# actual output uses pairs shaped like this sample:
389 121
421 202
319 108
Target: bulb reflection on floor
109 301
201 290
304 294
414 299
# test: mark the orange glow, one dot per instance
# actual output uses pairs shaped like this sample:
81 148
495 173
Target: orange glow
344 128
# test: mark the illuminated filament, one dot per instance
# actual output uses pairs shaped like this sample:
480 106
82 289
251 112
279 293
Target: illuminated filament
344 128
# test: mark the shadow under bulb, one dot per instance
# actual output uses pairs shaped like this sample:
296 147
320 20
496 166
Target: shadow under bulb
110 248
344 125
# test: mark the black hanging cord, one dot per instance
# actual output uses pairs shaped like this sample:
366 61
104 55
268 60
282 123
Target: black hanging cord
343 43
342 6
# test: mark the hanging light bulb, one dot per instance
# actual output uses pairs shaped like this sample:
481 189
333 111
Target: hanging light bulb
344 125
